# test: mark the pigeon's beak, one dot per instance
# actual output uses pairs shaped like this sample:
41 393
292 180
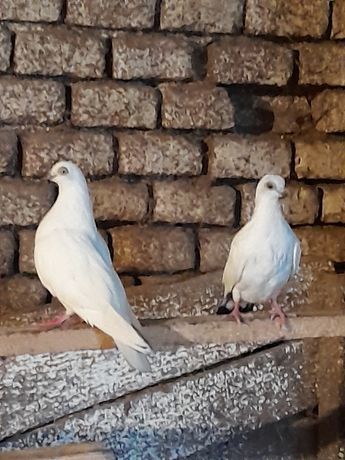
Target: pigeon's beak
49 177
283 195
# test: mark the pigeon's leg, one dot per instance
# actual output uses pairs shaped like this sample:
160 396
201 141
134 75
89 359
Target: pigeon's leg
54 322
236 313
277 312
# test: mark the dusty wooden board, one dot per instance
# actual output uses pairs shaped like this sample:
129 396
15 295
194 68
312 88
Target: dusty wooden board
38 389
84 451
174 419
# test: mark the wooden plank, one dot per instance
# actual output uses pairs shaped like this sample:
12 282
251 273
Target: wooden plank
86 451
172 420
175 332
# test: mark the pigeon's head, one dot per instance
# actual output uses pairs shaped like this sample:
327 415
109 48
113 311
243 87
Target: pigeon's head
65 172
271 186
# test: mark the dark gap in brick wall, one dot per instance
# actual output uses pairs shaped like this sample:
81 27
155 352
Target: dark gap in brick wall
205 157
19 156
327 34
196 251
109 58
110 246
16 252
199 62
244 12
68 101
63 12
293 175
318 219
293 80
237 211
159 110
157 18
339 267
151 202
116 150
13 45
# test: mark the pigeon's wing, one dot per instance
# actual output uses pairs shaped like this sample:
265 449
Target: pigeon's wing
236 262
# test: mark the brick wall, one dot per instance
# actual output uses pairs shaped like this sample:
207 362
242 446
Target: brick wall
173 109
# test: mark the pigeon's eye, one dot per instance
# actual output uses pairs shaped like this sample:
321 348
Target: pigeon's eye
270 186
63 171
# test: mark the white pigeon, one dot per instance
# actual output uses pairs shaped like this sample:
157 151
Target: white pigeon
264 254
73 262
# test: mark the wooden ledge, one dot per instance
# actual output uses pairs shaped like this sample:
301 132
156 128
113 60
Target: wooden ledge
171 333
87 451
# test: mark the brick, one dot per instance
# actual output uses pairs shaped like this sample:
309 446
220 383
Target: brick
23 203
154 280
5 48
153 249
291 114
248 157
114 104
148 153
338 20
287 18
324 159
27 101
182 201
301 205
92 152
59 51
21 294
152 56
245 60
196 105
115 199
31 10
322 64
26 251
222 16
327 111
8 152
324 242
116 14
333 203
214 247
7 251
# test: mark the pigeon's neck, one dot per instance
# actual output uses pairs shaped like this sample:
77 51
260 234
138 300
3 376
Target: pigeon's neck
267 210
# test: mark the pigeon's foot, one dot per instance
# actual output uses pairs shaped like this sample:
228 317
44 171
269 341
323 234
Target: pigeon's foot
277 313
54 322
236 313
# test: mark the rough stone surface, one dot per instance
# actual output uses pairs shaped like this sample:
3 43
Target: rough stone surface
59 51
184 202
333 203
152 249
8 152
324 159
223 16
249 157
152 56
246 60
301 205
327 111
115 199
7 250
291 113
116 14
114 104
196 105
31 10
338 20
214 246
5 48
322 64
31 101
287 18
148 153
26 251
21 293
23 203
92 151
326 242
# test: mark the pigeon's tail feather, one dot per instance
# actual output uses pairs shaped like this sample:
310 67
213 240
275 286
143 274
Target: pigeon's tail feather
135 359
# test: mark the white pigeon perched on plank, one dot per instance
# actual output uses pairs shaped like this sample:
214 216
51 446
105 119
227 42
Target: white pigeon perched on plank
264 254
73 262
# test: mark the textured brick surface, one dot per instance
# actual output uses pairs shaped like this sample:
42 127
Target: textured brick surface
327 111
21 293
117 14
322 64
184 202
31 101
320 159
92 151
214 247
7 251
8 152
26 251
23 203
338 20
147 153
325 242
196 105
333 203
114 104
286 18
59 51
31 10
115 199
249 157
153 249
152 56
223 16
292 114
301 205
246 60
5 48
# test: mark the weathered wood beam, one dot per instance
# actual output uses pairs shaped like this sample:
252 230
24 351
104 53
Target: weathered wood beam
86 451
171 333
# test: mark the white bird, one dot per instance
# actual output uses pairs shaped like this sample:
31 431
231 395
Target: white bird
73 262
264 254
